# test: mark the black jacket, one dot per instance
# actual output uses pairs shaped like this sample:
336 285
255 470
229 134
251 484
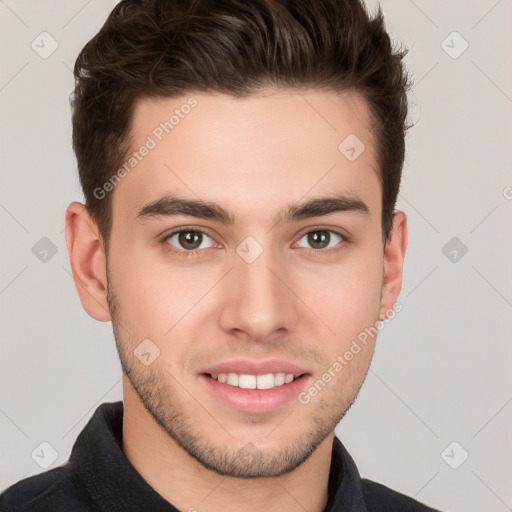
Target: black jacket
99 478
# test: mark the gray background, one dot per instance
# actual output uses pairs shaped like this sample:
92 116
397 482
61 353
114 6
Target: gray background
441 372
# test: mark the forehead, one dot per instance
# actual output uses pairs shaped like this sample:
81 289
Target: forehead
251 153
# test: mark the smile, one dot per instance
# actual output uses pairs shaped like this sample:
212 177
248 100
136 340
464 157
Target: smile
247 381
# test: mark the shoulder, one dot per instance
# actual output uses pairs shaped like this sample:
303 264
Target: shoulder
54 490
378 497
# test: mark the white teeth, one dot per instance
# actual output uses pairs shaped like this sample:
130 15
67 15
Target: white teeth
232 379
279 379
267 381
246 381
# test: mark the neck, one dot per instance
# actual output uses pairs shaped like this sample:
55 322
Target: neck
191 487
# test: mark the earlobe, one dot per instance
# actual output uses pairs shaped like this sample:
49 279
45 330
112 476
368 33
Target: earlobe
394 255
87 260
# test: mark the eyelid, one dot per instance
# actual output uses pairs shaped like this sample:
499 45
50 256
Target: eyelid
179 229
333 229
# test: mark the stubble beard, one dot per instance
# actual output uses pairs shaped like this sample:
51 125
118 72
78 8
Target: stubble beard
154 387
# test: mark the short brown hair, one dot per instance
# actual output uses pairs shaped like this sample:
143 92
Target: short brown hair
166 48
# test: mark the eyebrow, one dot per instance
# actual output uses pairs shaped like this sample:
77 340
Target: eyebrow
169 205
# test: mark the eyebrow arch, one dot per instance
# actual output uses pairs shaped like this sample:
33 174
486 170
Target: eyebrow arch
175 205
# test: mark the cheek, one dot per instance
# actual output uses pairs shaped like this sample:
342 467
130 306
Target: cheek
347 296
351 312
154 296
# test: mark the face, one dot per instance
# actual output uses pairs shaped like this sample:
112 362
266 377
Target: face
246 301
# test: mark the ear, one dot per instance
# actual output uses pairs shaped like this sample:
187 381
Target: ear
394 255
88 261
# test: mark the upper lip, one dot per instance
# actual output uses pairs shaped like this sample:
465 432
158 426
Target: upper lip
253 367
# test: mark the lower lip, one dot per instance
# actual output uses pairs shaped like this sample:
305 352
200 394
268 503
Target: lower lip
256 400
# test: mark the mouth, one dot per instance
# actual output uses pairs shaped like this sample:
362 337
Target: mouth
257 387
248 381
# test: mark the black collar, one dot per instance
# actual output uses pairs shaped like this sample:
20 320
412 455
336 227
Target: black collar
112 482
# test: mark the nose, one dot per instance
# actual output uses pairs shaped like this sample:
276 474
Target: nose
259 299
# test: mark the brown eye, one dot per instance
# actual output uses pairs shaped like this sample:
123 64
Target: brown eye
189 240
322 239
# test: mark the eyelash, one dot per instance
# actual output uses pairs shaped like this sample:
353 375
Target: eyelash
197 252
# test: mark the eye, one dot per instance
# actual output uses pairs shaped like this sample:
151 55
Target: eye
189 240
322 238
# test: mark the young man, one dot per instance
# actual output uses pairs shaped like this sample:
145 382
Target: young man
240 163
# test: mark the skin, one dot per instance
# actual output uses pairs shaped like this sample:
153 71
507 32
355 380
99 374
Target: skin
255 156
